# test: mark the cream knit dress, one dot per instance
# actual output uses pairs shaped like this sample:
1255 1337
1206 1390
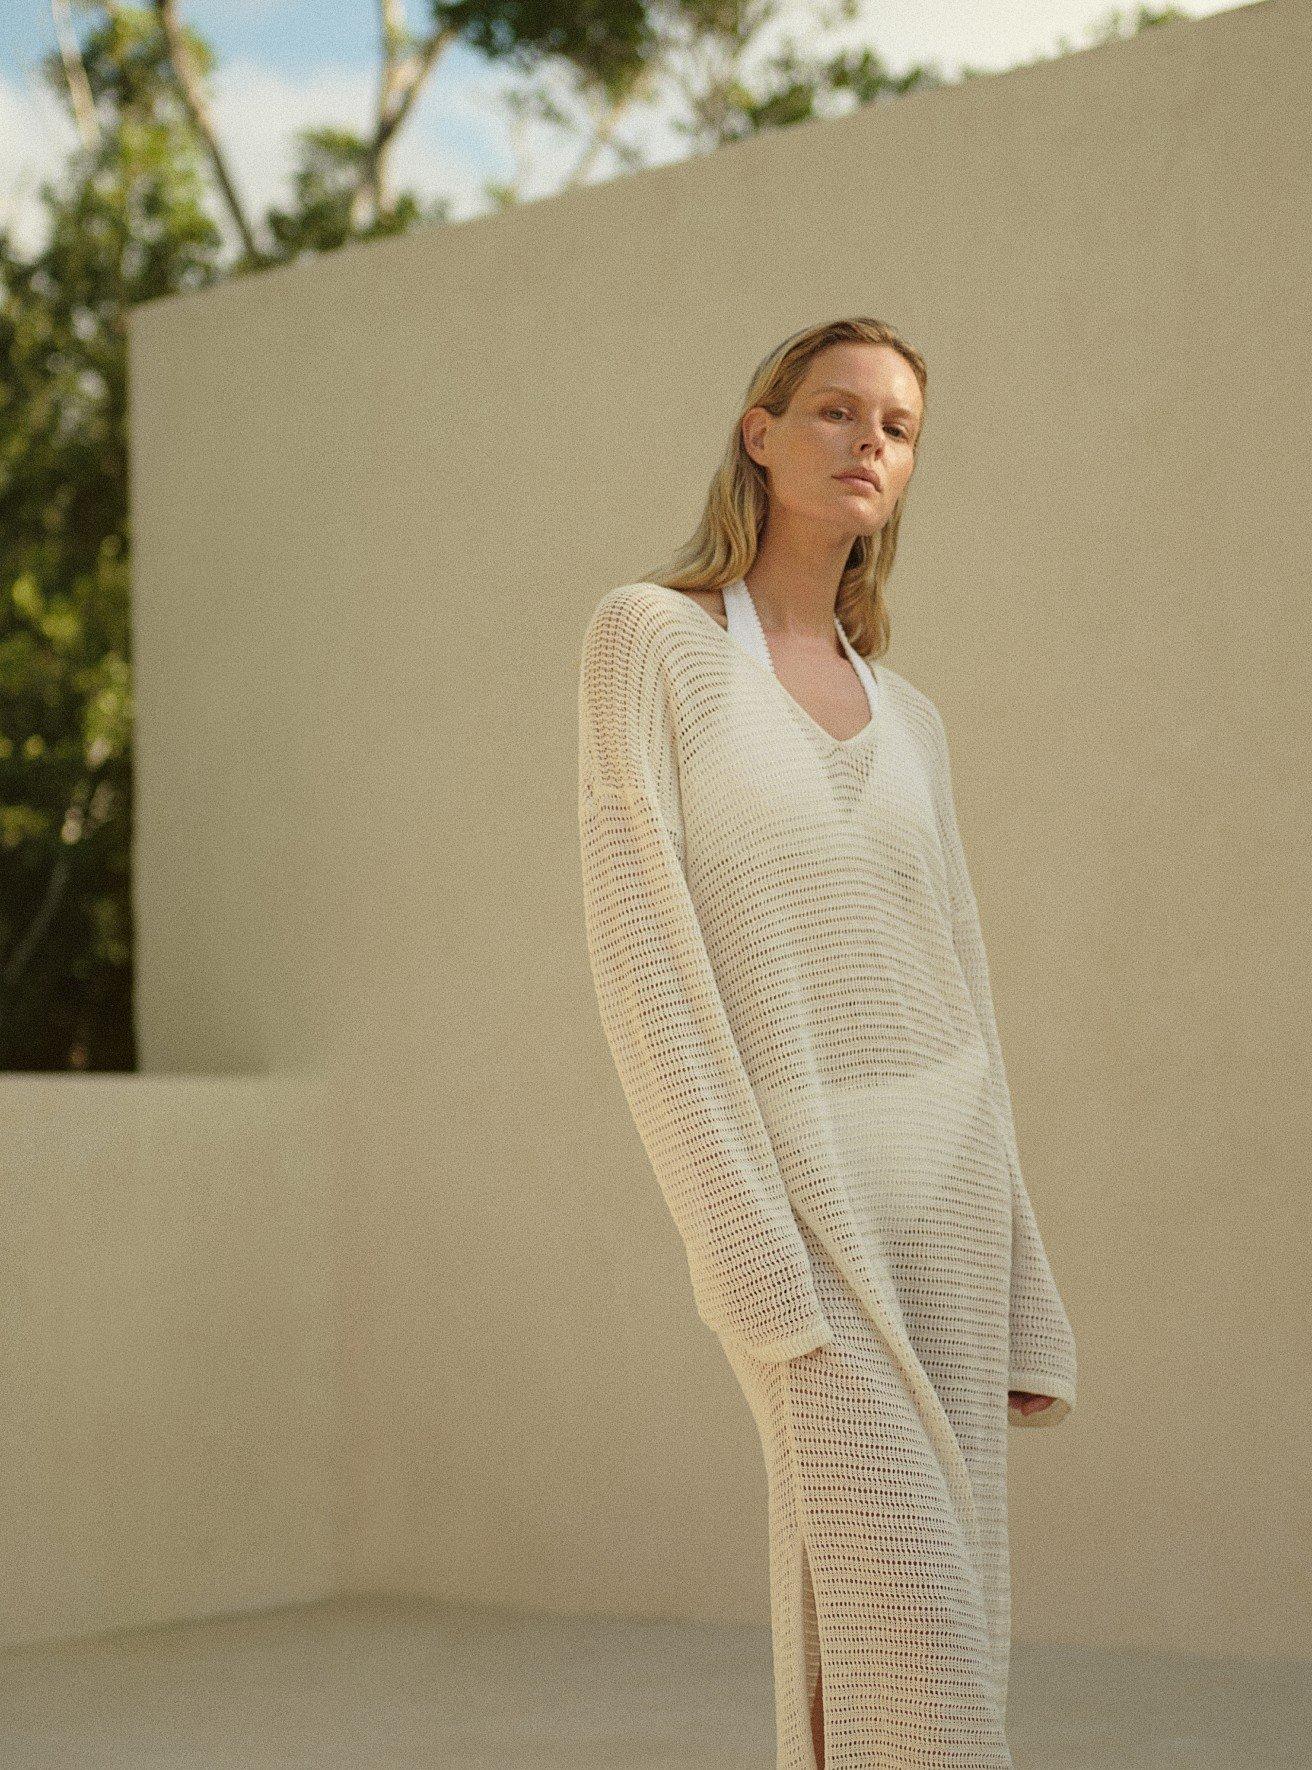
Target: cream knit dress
792 982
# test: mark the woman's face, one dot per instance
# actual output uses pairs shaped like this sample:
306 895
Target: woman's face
858 410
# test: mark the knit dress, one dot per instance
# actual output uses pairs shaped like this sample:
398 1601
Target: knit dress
791 978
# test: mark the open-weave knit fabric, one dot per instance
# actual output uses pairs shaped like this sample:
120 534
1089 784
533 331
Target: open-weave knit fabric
791 978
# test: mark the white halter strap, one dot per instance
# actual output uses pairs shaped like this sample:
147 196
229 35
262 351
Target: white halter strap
745 626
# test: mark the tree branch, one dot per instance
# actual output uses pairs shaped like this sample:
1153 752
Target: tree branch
188 78
401 79
607 123
79 87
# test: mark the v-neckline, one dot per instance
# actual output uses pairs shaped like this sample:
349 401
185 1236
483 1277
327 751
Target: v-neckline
766 665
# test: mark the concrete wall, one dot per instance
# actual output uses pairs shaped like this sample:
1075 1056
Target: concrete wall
375 499
171 1313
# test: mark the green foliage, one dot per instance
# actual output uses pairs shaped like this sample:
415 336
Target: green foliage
609 40
322 216
127 222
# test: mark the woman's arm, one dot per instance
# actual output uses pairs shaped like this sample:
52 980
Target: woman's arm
1042 1346
661 1010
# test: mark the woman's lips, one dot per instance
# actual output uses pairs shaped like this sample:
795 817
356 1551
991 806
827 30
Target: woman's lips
857 479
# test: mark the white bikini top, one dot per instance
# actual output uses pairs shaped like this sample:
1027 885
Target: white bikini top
745 626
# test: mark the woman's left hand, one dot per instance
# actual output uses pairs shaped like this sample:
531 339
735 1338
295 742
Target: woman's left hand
1027 1401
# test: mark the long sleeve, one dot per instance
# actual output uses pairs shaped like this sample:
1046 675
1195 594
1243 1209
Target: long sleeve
1042 1346
663 1016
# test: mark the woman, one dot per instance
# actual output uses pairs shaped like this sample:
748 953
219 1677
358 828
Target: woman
792 981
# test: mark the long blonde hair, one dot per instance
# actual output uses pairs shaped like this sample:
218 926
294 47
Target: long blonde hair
725 542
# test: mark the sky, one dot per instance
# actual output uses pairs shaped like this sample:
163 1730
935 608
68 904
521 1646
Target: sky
285 64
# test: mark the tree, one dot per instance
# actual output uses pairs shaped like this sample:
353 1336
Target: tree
128 223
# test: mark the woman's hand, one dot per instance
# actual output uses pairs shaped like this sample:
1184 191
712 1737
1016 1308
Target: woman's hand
1027 1401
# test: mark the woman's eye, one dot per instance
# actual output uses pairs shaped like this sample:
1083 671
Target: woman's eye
842 412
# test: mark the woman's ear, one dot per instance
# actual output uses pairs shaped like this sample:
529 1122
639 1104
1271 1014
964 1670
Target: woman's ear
753 427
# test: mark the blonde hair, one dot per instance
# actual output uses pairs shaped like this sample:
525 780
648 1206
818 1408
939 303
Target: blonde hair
726 539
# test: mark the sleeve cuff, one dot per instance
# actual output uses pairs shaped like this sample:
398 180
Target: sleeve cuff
1035 1383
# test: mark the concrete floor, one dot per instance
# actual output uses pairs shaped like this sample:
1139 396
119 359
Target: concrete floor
386 1685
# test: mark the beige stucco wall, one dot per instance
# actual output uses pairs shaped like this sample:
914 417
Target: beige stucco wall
170 1353
375 499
